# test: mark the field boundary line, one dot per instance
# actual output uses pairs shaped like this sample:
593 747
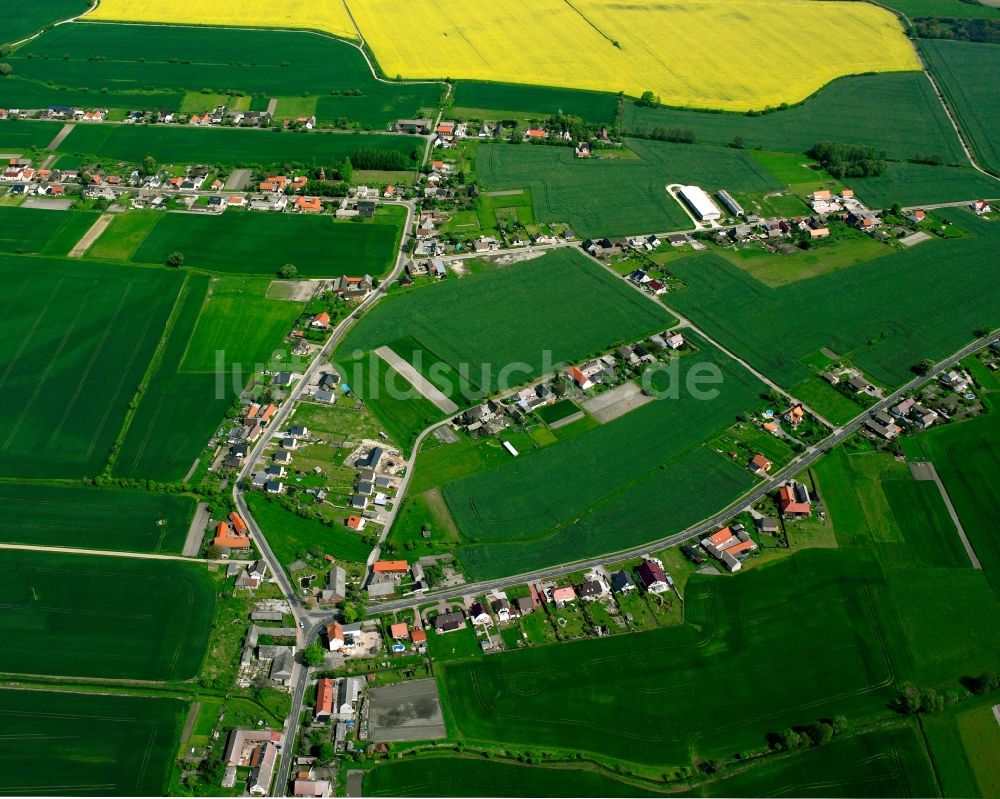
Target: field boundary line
114 553
925 470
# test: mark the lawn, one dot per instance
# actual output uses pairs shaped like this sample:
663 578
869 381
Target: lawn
164 59
122 237
74 516
87 744
898 113
771 637
634 479
490 323
965 71
291 536
238 321
884 333
557 411
44 231
469 776
91 616
20 134
615 196
75 340
238 147
257 243
486 100
754 60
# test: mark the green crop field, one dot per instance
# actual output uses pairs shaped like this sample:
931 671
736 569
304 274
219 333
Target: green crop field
884 333
967 459
86 744
888 762
187 396
895 112
916 184
73 516
495 101
488 321
246 242
615 196
290 536
122 237
944 8
75 340
639 477
966 70
44 231
93 616
154 68
19 134
467 776
182 144
755 655
24 17
937 611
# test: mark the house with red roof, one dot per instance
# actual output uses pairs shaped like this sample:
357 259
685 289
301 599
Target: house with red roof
760 464
579 378
335 635
793 499
320 320
394 567
308 205
399 631
324 699
238 524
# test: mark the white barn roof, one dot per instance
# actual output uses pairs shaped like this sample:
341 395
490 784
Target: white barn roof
699 202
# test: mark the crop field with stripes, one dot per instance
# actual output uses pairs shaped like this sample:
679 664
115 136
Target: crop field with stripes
75 340
108 617
58 743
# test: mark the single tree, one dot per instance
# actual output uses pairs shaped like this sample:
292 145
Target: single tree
288 271
5 69
175 259
649 99
314 654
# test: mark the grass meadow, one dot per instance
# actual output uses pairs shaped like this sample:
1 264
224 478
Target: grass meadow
291 536
89 518
42 231
102 617
619 195
87 744
884 333
771 638
328 78
896 112
75 341
228 146
966 70
248 243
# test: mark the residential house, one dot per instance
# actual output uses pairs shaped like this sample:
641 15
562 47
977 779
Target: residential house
335 636
621 582
478 614
325 693
767 524
448 622
502 608
524 605
980 207
399 631
793 499
312 788
591 590
560 596
759 464
652 577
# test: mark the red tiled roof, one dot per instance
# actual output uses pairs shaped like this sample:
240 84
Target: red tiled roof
384 566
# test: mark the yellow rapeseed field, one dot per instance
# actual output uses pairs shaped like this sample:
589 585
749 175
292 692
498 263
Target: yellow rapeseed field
698 53
324 15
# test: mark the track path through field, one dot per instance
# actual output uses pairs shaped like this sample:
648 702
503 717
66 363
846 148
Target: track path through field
924 470
109 553
92 235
